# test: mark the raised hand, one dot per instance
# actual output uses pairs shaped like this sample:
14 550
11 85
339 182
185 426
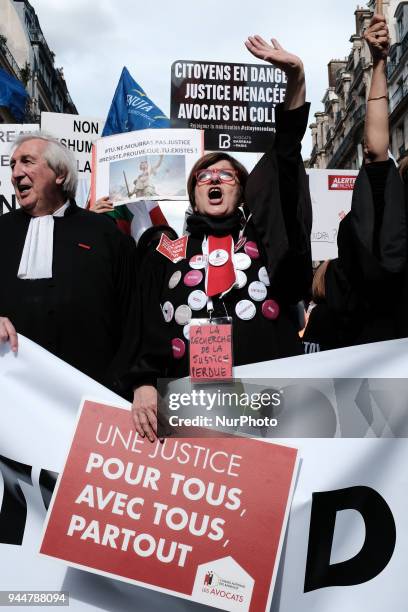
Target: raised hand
274 54
377 37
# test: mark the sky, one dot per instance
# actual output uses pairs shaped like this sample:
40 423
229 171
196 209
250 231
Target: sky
93 40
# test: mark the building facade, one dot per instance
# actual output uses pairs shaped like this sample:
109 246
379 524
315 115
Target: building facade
25 55
338 130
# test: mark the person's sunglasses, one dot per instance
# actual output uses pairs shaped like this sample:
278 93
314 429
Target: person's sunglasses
207 175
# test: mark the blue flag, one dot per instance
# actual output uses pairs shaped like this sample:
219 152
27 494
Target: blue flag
13 95
131 109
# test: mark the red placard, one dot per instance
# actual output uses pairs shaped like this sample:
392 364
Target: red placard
200 518
210 352
175 250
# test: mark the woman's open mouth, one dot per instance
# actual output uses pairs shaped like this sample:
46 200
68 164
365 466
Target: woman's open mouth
215 195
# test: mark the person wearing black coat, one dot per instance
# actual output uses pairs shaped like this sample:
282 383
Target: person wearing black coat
67 276
266 251
364 286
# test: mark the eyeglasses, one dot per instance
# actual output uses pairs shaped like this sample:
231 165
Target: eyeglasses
207 175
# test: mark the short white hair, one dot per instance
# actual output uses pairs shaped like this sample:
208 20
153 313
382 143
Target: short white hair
60 159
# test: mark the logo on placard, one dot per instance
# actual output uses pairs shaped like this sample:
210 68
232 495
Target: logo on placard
341 183
224 584
224 141
208 578
222 588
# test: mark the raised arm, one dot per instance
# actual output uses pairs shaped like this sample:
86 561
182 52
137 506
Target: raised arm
376 136
291 65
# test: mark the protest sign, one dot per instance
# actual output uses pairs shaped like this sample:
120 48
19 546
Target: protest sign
8 134
77 133
331 192
38 410
172 515
37 418
233 103
145 165
210 346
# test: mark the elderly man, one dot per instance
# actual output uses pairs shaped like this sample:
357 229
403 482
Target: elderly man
67 276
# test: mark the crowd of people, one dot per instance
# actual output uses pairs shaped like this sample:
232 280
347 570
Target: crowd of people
79 287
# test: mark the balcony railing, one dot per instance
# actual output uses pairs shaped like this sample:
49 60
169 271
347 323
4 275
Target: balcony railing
358 114
404 44
391 68
399 95
9 57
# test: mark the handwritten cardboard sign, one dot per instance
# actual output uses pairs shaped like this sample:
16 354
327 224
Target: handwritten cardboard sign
210 352
175 250
203 519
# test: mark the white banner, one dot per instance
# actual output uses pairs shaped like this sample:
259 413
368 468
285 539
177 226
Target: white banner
77 133
347 539
331 192
145 165
8 134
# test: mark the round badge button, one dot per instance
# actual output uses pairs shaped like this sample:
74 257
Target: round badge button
257 291
168 311
174 279
251 249
218 257
183 314
263 276
178 348
241 261
197 262
241 279
186 331
197 299
245 310
193 278
270 309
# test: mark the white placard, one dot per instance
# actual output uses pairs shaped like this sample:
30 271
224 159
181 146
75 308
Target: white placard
145 165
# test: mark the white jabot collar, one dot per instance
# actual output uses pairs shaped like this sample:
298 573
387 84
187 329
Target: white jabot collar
36 259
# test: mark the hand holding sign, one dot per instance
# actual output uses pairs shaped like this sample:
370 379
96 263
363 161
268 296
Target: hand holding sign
144 411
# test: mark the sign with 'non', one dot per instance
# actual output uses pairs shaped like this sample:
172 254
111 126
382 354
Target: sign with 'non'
233 103
77 133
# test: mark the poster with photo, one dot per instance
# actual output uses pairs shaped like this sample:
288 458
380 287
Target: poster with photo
145 165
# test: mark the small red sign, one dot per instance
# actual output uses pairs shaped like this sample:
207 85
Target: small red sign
175 250
210 352
341 182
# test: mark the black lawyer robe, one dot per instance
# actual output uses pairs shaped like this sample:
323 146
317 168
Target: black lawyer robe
277 196
87 313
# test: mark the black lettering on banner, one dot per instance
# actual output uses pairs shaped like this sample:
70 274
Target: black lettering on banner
47 480
378 545
13 512
5 204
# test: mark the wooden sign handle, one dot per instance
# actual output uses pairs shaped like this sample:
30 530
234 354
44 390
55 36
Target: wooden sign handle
379 9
